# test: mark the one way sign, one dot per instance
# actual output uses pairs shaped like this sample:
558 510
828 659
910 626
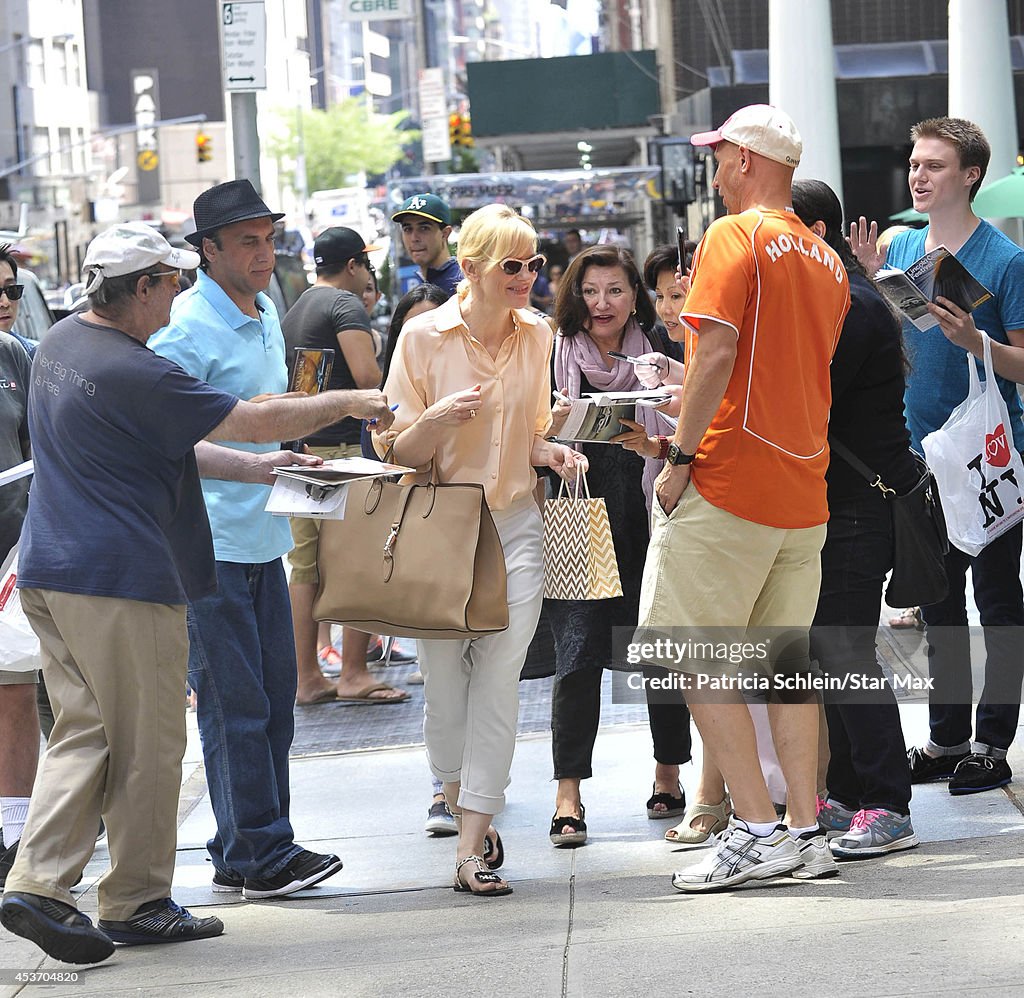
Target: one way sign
244 45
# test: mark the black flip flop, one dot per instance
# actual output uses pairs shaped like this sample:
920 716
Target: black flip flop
494 851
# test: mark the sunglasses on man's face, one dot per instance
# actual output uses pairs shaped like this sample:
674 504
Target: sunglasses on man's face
512 266
174 275
13 291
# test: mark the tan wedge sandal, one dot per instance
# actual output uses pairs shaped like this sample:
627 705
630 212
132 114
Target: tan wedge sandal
685 834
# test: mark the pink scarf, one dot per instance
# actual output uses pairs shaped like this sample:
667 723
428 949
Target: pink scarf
578 357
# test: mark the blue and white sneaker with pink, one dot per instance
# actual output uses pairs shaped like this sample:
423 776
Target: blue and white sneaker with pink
874 832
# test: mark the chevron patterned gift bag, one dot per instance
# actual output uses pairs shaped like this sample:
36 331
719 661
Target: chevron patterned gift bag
579 554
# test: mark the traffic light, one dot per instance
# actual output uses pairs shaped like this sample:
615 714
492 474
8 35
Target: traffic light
460 132
455 129
204 148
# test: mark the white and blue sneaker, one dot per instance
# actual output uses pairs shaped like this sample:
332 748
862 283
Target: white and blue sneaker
874 832
817 857
739 856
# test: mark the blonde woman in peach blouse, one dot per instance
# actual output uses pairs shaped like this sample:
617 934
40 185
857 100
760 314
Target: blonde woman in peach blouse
471 380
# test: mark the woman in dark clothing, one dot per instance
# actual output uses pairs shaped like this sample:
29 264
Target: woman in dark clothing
603 306
867 808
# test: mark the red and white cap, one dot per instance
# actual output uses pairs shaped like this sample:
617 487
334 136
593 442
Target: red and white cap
763 129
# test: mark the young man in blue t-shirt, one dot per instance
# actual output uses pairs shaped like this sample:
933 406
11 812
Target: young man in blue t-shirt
947 165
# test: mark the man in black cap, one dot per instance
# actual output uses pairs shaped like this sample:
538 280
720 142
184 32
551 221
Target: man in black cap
426 223
225 330
330 315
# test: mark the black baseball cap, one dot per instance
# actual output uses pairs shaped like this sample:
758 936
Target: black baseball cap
339 244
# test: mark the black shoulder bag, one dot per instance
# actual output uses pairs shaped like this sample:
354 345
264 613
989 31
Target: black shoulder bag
919 538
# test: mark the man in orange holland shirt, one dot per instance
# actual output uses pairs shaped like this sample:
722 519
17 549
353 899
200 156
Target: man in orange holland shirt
740 511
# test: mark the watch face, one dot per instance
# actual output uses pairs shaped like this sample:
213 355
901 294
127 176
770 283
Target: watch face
677 457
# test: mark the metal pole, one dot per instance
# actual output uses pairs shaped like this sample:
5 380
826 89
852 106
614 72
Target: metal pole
246 138
422 61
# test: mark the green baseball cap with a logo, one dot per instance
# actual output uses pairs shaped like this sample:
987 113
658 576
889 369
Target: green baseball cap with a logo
425 206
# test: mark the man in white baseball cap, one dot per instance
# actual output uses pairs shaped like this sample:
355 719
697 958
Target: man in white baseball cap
761 128
129 248
116 541
744 486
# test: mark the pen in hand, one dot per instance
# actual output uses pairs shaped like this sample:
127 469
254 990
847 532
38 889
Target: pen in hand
559 397
373 422
634 360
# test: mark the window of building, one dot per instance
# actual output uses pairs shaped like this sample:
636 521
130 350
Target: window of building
74 60
41 148
34 63
67 163
59 62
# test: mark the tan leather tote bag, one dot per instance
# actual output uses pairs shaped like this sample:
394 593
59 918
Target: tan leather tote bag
414 561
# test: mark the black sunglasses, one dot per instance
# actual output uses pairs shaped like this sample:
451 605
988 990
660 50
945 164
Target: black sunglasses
13 291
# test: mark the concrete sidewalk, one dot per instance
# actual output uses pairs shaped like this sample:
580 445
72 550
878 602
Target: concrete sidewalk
944 919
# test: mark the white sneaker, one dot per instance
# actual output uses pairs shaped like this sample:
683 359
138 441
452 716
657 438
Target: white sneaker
817 856
739 856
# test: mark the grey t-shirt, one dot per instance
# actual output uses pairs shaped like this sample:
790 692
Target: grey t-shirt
14 380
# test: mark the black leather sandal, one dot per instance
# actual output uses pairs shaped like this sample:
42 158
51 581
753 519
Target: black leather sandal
482 876
575 838
673 805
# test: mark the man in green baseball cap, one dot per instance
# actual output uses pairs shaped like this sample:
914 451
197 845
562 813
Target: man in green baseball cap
426 222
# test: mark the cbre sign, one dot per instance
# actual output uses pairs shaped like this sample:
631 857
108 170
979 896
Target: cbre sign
375 10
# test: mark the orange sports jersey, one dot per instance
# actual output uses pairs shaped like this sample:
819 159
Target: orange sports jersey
786 293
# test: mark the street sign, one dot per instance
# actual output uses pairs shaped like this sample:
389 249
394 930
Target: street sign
433 101
434 116
437 147
244 45
375 10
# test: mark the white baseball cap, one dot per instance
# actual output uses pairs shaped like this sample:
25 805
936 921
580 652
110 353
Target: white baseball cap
763 129
128 248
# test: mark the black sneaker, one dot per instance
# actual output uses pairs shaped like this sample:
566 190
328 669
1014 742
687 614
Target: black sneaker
58 929
7 857
925 769
161 921
978 773
305 870
227 883
440 821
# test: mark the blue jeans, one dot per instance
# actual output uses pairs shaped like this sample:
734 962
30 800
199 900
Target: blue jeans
867 757
995 573
242 667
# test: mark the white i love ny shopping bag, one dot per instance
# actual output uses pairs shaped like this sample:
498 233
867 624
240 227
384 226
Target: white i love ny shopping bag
976 466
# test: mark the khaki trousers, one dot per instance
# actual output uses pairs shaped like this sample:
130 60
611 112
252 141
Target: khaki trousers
115 671
708 568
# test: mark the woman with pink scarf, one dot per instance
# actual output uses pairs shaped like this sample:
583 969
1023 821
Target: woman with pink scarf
602 308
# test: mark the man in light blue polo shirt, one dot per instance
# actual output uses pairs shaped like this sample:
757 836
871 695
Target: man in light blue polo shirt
225 330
